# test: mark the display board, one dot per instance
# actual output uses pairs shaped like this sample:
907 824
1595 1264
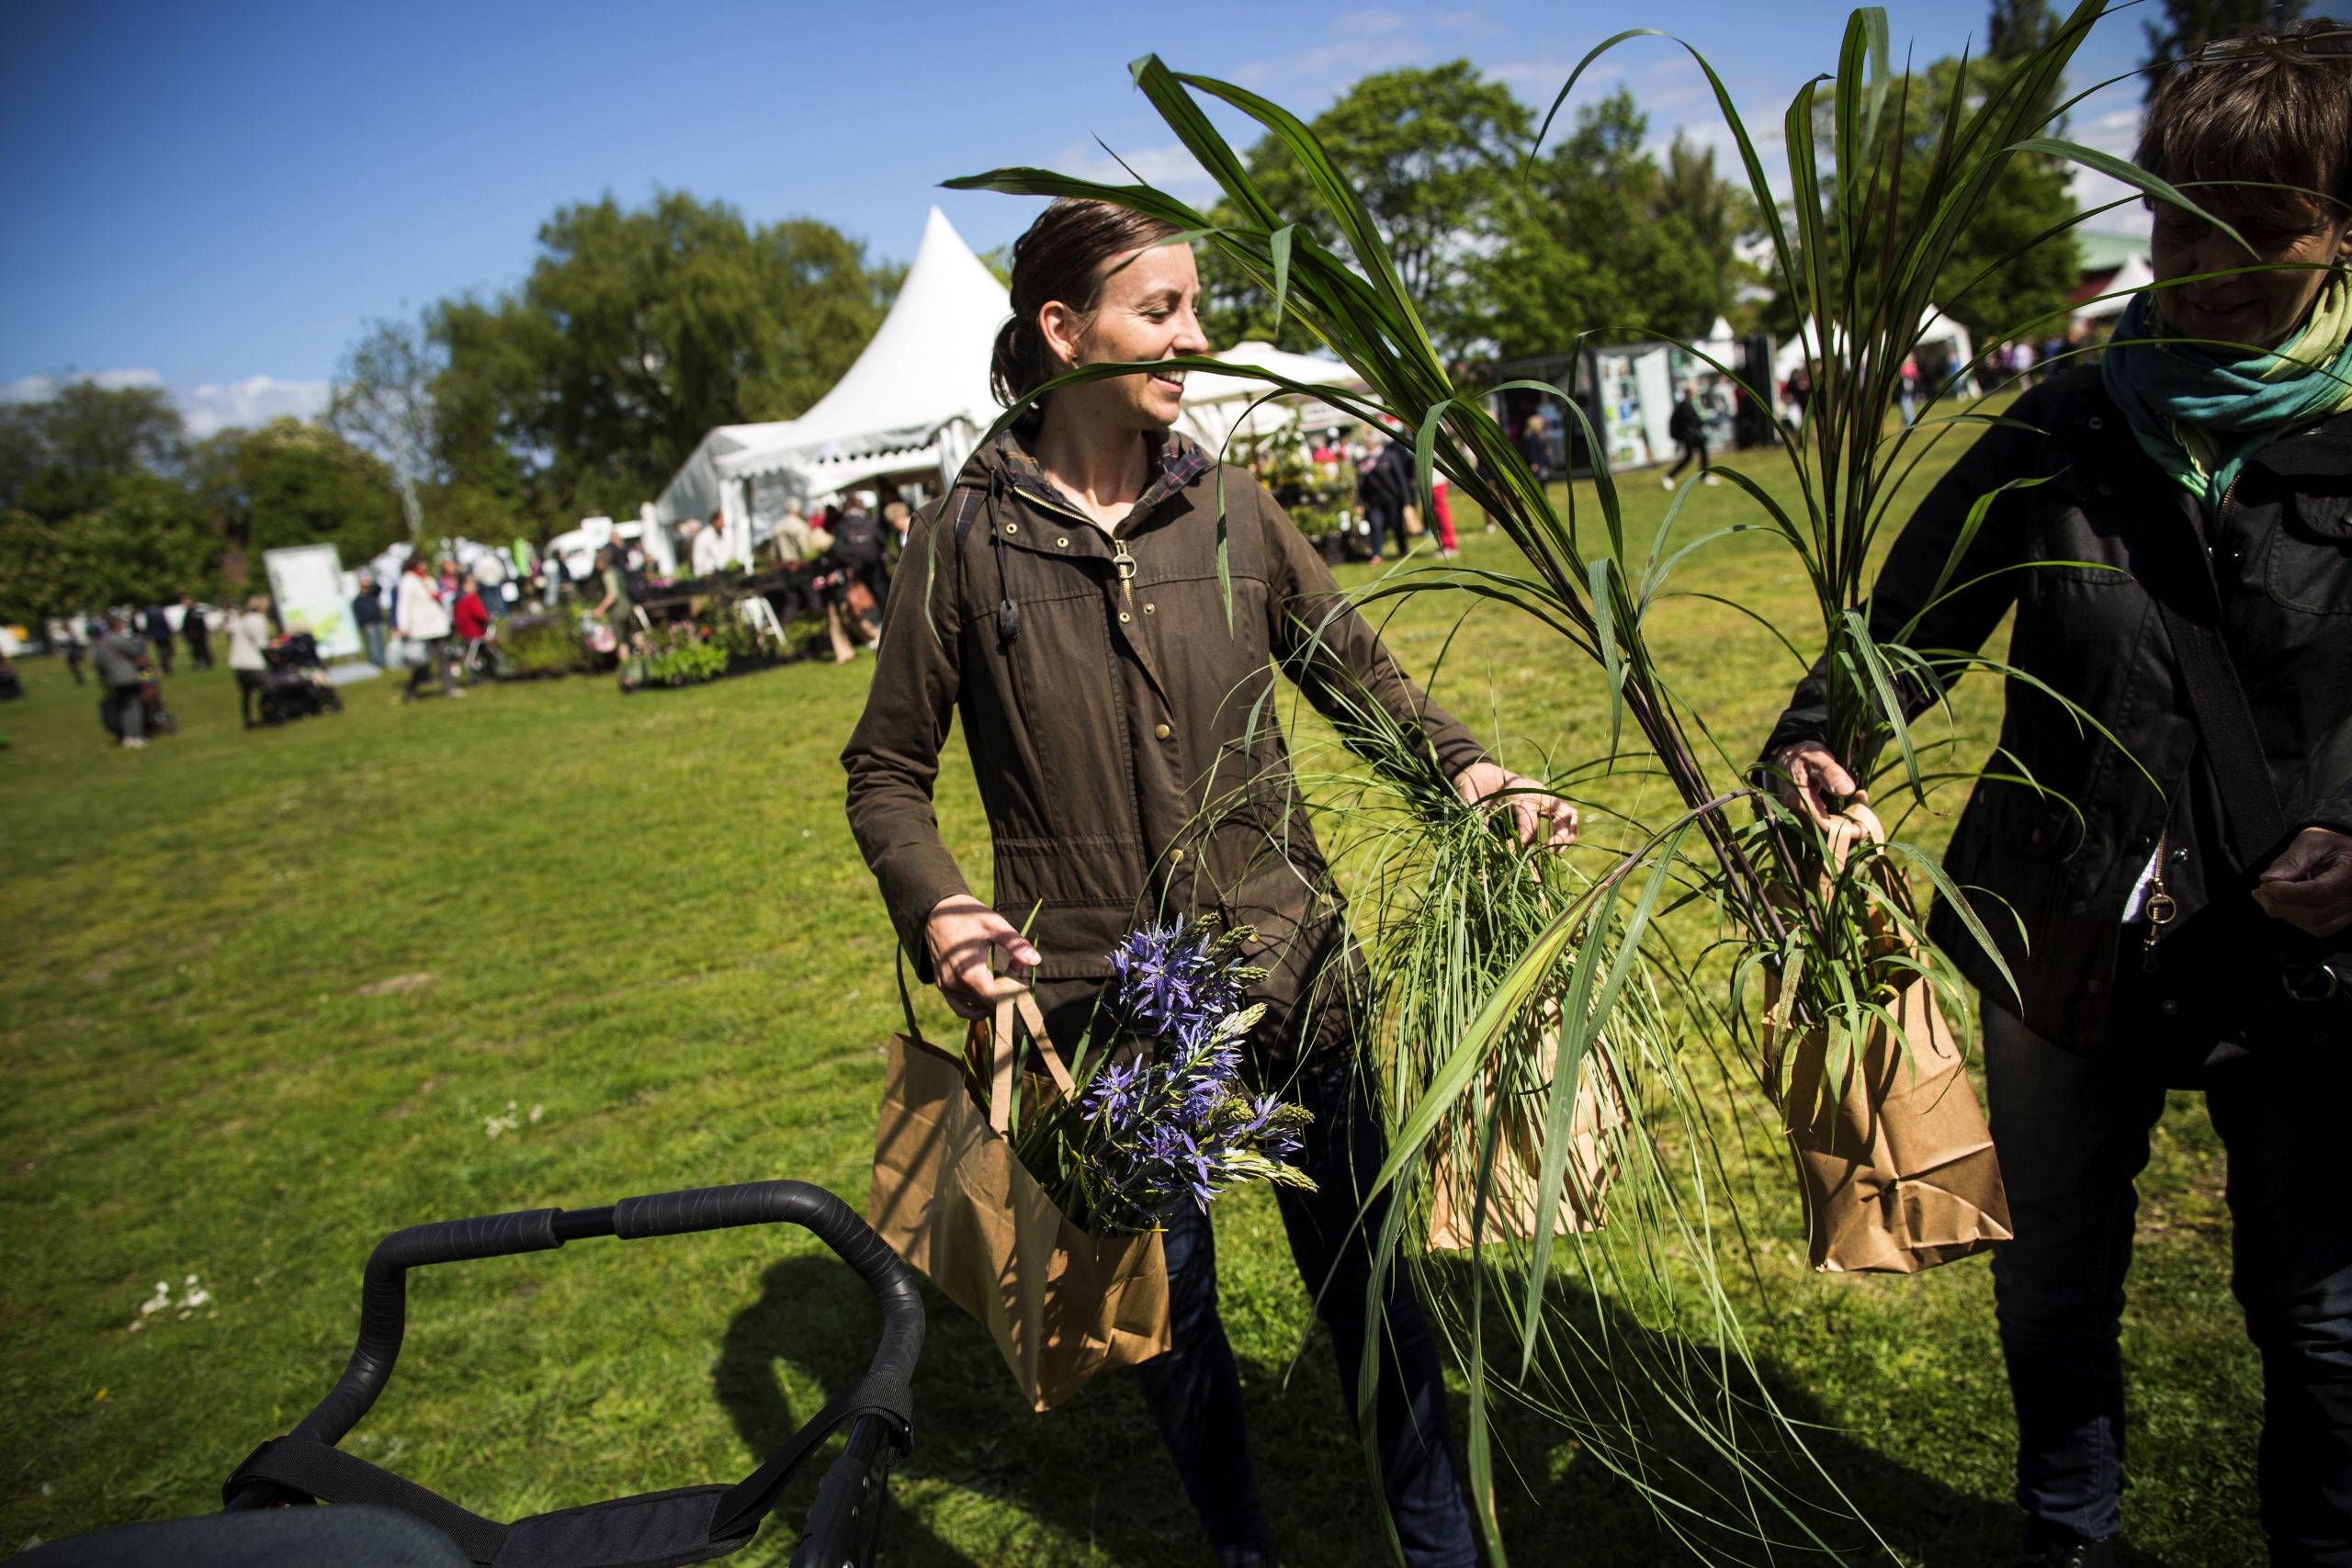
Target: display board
307 581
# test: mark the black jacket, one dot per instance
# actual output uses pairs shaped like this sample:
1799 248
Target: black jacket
2075 558
1389 483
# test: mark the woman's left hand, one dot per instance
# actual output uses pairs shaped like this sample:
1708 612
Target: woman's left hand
2309 885
1537 815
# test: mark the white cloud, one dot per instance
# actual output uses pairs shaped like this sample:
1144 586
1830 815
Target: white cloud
1168 168
256 399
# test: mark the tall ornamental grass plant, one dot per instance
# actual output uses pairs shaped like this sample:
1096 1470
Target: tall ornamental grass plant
1505 978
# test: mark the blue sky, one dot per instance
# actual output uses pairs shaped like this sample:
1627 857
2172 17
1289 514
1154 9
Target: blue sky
217 199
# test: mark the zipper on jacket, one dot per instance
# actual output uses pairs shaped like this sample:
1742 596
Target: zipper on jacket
2160 909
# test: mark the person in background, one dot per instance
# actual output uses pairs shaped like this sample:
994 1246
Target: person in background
1688 429
613 609
553 579
490 581
857 552
421 617
896 519
471 618
159 636
1385 489
713 552
1536 447
248 635
447 579
65 637
198 631
368 614
1441 514
122 671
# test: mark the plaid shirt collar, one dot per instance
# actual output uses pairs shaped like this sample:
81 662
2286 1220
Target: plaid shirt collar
1177 463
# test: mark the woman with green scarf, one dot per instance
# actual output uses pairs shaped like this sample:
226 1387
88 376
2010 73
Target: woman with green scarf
2171 888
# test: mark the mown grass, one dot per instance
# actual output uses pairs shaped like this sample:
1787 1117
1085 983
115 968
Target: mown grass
260 994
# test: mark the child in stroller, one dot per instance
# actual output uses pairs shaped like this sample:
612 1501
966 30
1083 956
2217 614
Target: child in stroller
294 683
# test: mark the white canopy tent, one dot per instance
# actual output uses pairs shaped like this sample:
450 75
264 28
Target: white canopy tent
916 398
1936 329
1215 406
2134 275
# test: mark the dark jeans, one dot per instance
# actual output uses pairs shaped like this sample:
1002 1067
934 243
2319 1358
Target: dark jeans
248 689
372 632
1194 1390
1378 520
2073 1132
1689 449
130 710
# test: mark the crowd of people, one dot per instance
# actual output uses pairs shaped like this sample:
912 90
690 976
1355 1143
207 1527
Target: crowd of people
130 651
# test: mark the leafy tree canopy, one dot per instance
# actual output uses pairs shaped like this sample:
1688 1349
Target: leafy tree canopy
636 332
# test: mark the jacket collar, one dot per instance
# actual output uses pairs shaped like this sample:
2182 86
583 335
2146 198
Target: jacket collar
1175 463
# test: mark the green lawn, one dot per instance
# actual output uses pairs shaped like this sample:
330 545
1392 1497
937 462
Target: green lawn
262 995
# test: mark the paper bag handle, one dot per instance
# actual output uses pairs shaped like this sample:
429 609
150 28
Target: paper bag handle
1016 1001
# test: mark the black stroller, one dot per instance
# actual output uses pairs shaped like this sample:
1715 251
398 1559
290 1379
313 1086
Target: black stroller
295 683
387 1522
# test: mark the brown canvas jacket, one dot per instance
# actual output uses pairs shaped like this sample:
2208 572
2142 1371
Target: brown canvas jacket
1125 741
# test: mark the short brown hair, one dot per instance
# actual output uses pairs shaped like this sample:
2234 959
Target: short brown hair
2273 112
1061 256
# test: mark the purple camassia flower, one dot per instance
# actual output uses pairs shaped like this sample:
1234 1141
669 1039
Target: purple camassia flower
1167 980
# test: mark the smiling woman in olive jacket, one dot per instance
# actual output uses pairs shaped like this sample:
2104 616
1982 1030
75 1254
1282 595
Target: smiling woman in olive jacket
1064 597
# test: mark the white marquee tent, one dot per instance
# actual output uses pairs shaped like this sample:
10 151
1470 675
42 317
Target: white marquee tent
2129 278
1936 329
916 398
1214 405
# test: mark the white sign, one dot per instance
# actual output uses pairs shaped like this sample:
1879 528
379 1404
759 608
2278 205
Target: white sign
308 583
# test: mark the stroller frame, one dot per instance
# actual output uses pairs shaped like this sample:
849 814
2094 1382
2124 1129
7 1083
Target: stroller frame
656 1529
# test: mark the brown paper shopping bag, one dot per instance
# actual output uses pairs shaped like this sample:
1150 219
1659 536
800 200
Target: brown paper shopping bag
1596 1123
955 1201
1895 1162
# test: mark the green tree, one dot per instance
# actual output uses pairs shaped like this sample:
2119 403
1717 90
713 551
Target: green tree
2190 24
293 483
634 332
2000 278
142 545
1432 151
1597 239
64 445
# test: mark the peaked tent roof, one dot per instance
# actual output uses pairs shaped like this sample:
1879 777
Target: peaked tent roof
693 491
926 368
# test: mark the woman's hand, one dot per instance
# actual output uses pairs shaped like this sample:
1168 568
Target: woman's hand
961 933
1814 781
1537 815
2309 885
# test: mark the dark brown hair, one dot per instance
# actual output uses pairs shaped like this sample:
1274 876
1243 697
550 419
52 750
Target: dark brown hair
2274 112
1063 256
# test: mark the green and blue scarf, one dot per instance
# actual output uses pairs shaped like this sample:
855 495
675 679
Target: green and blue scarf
2199 413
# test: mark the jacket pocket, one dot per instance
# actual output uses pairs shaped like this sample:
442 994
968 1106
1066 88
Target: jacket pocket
2311 556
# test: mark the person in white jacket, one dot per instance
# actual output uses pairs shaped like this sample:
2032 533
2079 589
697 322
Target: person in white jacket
422 621
713 552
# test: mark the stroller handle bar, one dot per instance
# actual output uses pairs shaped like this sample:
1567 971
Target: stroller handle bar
383 1312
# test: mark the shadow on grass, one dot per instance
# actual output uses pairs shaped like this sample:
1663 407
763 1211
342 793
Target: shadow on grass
1569 1506
1094 1472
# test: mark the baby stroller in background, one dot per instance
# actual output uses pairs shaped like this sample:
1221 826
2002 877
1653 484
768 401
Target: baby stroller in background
151 698
657 1529
294 684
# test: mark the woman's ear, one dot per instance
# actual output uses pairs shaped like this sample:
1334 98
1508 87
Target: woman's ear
1060 327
